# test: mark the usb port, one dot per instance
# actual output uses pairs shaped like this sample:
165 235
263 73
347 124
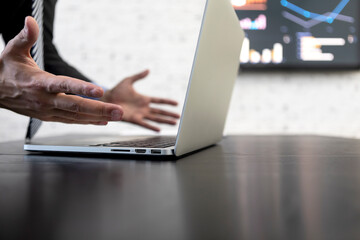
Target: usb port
140 150
155 151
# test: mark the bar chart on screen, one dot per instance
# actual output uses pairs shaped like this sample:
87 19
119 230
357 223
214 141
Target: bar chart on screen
310 47
258 24
266 56
255 5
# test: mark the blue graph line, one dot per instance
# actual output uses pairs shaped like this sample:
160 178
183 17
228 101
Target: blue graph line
330 19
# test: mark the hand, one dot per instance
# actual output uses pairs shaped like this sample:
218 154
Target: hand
27 90
137 107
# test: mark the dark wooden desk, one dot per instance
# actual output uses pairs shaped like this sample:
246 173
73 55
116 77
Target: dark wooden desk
247 187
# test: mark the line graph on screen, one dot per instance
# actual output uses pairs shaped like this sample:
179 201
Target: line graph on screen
315 18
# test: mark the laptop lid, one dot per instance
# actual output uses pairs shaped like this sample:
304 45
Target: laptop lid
212 80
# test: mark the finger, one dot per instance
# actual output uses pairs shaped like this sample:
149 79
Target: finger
161 120
74 116
23 42
148 126
163 112
62 84
64 120
139 76
61 116
163 101
87 106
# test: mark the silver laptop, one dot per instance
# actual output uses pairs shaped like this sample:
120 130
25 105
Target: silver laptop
207 101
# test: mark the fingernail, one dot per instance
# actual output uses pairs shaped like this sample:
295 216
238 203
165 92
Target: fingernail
95 93
116 115
26 29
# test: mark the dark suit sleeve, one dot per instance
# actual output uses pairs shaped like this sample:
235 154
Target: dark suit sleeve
12 16
53 62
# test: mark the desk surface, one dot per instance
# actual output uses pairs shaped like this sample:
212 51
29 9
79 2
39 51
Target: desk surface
246 187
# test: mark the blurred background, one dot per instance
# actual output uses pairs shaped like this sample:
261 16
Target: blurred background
111 39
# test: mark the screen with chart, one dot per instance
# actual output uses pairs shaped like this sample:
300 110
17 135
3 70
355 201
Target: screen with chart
299 33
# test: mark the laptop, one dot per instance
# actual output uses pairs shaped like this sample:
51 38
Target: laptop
207 100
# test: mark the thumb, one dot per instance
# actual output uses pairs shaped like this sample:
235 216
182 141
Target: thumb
139 76
23 42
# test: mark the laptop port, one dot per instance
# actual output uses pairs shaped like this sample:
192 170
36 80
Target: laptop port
140 150
155 151
120 150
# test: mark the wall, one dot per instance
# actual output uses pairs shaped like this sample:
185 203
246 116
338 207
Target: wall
111 39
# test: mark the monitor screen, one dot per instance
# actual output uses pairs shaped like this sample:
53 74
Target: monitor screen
299 33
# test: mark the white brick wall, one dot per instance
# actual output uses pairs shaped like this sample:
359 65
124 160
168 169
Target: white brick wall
111 39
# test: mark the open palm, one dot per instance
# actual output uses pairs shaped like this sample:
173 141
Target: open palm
137 107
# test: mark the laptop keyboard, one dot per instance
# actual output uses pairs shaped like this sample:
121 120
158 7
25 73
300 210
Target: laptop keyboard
152 142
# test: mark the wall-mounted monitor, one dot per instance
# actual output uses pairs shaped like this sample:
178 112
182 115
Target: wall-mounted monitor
299 33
